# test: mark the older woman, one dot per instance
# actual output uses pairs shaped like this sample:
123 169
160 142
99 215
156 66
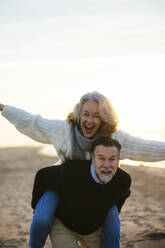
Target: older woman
92 116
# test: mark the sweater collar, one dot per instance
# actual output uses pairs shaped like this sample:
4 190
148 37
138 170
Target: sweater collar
84 143
81 144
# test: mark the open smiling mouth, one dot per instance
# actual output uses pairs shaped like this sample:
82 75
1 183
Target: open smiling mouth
106 172
89 128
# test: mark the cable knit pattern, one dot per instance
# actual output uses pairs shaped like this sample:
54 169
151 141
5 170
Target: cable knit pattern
58 133
139 149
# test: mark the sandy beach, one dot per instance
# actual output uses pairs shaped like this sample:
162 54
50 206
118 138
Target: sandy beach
142 217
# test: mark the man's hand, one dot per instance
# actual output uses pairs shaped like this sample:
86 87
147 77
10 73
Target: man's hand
81 244
1 107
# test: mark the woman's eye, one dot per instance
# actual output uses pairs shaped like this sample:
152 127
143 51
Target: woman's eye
96 116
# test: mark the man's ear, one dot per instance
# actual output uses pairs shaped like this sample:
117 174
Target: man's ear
92 157
118 160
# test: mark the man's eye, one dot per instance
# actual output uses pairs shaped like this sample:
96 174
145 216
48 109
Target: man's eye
101 159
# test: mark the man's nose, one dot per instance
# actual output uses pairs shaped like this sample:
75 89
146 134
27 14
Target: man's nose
106 163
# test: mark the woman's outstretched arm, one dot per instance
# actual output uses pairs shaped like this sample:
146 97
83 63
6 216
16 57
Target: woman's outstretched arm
34 126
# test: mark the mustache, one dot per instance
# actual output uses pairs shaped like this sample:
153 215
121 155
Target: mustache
106 170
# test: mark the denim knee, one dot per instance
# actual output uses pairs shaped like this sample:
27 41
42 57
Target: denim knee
43 219
45 209
111 229
112 221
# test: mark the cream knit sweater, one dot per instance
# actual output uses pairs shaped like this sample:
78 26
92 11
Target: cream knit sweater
58 133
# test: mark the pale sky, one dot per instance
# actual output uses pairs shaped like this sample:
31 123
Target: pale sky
52 52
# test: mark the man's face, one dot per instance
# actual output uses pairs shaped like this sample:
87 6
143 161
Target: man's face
105 160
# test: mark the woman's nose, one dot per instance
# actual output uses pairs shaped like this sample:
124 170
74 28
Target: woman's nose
90 119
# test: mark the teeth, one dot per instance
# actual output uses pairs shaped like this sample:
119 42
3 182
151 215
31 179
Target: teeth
106 171
88 127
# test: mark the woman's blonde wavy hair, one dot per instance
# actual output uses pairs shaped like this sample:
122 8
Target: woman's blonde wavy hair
106 112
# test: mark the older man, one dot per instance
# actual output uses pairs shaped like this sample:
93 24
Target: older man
86 193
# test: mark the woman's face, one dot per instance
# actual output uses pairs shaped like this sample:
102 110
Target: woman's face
90 120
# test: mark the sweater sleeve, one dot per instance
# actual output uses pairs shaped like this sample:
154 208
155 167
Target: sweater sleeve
139 149
125 187
46 179
122 200
34 126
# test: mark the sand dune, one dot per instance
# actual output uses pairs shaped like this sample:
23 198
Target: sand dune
142 217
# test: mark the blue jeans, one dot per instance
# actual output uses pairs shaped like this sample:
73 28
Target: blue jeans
44 216
111 229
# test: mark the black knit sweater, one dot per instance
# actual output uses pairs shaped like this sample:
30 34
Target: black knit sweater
83 203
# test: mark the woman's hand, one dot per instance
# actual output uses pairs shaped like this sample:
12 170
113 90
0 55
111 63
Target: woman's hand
1 107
